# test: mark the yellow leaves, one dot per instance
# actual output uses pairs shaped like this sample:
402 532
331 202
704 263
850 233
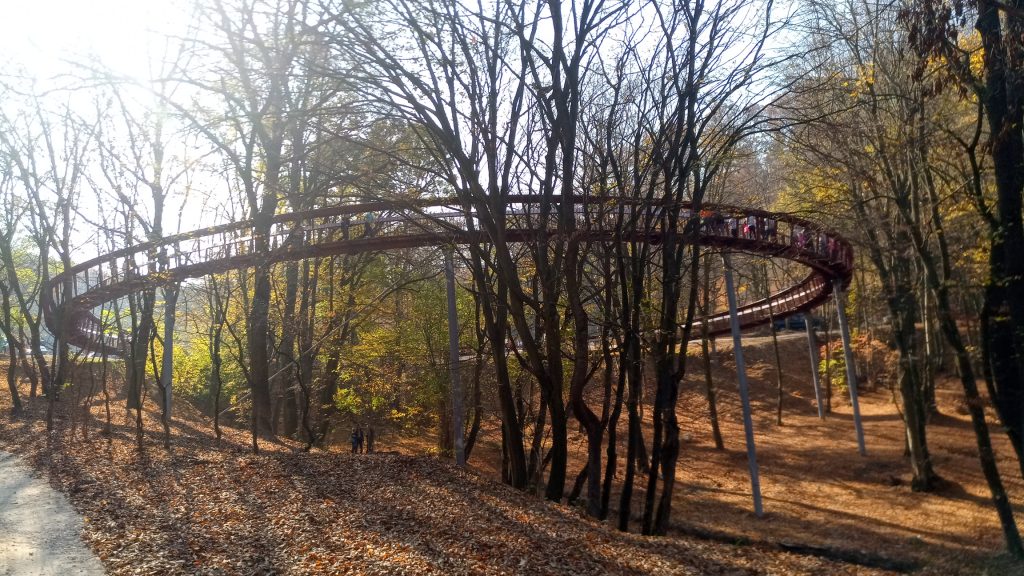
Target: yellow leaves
970 42
812 187
862 81
977 63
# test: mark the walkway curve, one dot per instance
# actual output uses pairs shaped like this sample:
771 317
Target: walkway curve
40 530
381 226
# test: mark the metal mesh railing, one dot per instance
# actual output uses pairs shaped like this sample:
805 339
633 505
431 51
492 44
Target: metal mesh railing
379 226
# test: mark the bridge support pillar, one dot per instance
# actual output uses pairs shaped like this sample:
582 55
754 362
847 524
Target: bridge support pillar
812 344
453 360
741 373
167 366
851 368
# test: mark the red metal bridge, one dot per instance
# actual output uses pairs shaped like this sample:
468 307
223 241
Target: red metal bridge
382 226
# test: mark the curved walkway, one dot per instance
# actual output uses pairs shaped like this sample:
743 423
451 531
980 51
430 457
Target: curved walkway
39 530
381 226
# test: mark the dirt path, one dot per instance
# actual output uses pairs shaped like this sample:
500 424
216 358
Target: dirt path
38 528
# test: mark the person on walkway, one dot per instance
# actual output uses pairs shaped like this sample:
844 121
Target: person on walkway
359 439
706 221
355 441
368 224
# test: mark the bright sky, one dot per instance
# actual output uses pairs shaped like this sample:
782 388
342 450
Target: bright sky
122 33
46 37
127 36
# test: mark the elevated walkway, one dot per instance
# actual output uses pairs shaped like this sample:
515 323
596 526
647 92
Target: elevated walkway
380 226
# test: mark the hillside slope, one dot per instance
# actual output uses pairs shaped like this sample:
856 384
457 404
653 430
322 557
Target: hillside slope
209 508
212 507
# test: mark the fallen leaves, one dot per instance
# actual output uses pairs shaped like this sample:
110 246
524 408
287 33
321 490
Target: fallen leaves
213 508
204 509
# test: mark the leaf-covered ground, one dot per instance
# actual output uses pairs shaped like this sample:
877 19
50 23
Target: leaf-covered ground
209 507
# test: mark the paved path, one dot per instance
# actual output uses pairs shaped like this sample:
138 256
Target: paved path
39 530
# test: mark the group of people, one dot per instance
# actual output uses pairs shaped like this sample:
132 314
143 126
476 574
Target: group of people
817 242
765 228
359 440
750 227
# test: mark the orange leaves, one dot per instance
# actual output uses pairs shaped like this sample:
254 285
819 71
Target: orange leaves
209 508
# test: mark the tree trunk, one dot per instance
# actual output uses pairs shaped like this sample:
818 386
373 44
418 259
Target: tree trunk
257 335
474 427
494 311
632 366
939 286
580 373
289 392
535 467
142 324
932 355
709 390
12 345
709 382
611 456
1003 310
551 385
828 363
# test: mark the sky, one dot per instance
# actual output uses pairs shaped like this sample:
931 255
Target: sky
43 36
39 34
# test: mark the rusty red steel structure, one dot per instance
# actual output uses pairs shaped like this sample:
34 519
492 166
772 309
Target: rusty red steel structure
382 226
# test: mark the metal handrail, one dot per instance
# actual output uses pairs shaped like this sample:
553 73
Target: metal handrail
376 226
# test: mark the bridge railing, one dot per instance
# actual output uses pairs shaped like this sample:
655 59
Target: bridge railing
177 252
363 226
728 225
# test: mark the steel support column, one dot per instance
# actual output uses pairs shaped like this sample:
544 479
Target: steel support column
453 361
741 373
812 344
851 368
167 366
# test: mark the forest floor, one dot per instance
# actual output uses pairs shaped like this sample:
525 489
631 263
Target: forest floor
212 507
818 491
820 496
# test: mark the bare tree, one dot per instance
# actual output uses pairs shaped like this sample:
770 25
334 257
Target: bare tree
936 29
48 145
254 70
482 82
892 179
